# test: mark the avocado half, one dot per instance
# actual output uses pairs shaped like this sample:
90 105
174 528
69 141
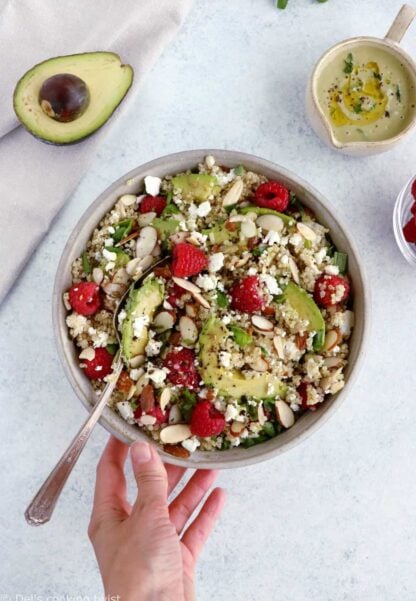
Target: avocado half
107 80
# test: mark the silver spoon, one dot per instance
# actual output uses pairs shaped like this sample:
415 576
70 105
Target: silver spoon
41 508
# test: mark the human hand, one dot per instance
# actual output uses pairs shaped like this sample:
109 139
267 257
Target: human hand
143 550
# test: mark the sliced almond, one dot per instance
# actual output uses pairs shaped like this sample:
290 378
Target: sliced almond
306 231
237 219
179 237
97 275
248 229
165 398
133 266
259 365
175 416
146 241
284 414
88 354
294 270
176 451
146 218
189 286
128 199
190 310
332 338
337 386
188 329
163 321
201 300
261 415
147 420
271 223
128 238
236 428
234 194
278 345
331 362
114 290
157 251
65 300
175 433
146 262
121 276
131 392
261 323
347 323
141 383
147 398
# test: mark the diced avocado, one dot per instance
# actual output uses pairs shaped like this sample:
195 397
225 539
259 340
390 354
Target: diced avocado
287 219
106 79
122 258
219 234
142 302
307 309
196 186
230 382
165 227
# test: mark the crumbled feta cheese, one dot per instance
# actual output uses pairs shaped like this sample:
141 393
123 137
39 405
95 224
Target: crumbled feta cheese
284 260
77 323
225 359
332 269
109 242
136 373
110 265
204 209
109 255
215 262
111 229
271 284
206 282
152 185
209 161
99 339
226 320
139 324
158 376
126 411
153 347
252 271
191 444
271 238
296 240
231 413
121 317
201 238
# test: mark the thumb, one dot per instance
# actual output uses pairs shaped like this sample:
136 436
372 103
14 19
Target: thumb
150 474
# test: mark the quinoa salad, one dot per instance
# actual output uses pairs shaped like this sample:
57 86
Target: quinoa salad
240 331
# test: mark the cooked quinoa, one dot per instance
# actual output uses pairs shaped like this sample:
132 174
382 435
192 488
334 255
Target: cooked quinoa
273 344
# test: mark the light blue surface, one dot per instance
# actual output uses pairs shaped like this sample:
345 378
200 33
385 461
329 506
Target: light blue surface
334 519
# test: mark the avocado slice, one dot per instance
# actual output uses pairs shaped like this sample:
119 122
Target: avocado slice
196 186
219 233
230 382
165 227
142 302
307 309
287 219
107 81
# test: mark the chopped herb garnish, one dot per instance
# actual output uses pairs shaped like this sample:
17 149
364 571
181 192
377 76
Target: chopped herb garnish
112 348
279 299
348 63
240 336
122 229
222 299
357 108
318 340
170 209
188 403
377 75
239 170
258 250
398 94
341 261
269 430
86 265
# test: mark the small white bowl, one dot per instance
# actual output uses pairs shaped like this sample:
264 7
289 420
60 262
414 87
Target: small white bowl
401 215
390 44
133 183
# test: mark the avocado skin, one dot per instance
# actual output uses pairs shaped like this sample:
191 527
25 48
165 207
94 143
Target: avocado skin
229 382
82 136
142 301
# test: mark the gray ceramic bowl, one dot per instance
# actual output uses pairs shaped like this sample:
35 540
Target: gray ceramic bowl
132 182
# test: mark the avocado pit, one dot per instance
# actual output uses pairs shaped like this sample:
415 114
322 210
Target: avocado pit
64 97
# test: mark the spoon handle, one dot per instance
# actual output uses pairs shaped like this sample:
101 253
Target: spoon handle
41 508
401 23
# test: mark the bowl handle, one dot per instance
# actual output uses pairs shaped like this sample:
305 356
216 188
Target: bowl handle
401 23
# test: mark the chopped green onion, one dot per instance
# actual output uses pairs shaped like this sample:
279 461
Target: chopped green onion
318 340
269 430
341 261
222 299
122 229
86 265
239 170
279 299
170 209
240 336
112 348
348 64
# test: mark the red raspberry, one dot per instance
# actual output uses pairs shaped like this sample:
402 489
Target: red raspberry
206 420
182 368
100 366
330 290
161 416
272 195
409 230
152 204
187 260
175 293
85 298
246 295
303 392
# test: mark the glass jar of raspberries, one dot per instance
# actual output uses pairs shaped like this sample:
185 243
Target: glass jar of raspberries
404 221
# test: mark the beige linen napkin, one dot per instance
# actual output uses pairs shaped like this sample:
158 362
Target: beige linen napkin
35 178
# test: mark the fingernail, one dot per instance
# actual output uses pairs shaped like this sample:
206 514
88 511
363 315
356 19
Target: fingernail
141 452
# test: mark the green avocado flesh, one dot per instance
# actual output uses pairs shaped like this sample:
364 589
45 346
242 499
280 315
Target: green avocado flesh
287 219
196 186
142 302
165 227
305 307
107 81
230 382
219 233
